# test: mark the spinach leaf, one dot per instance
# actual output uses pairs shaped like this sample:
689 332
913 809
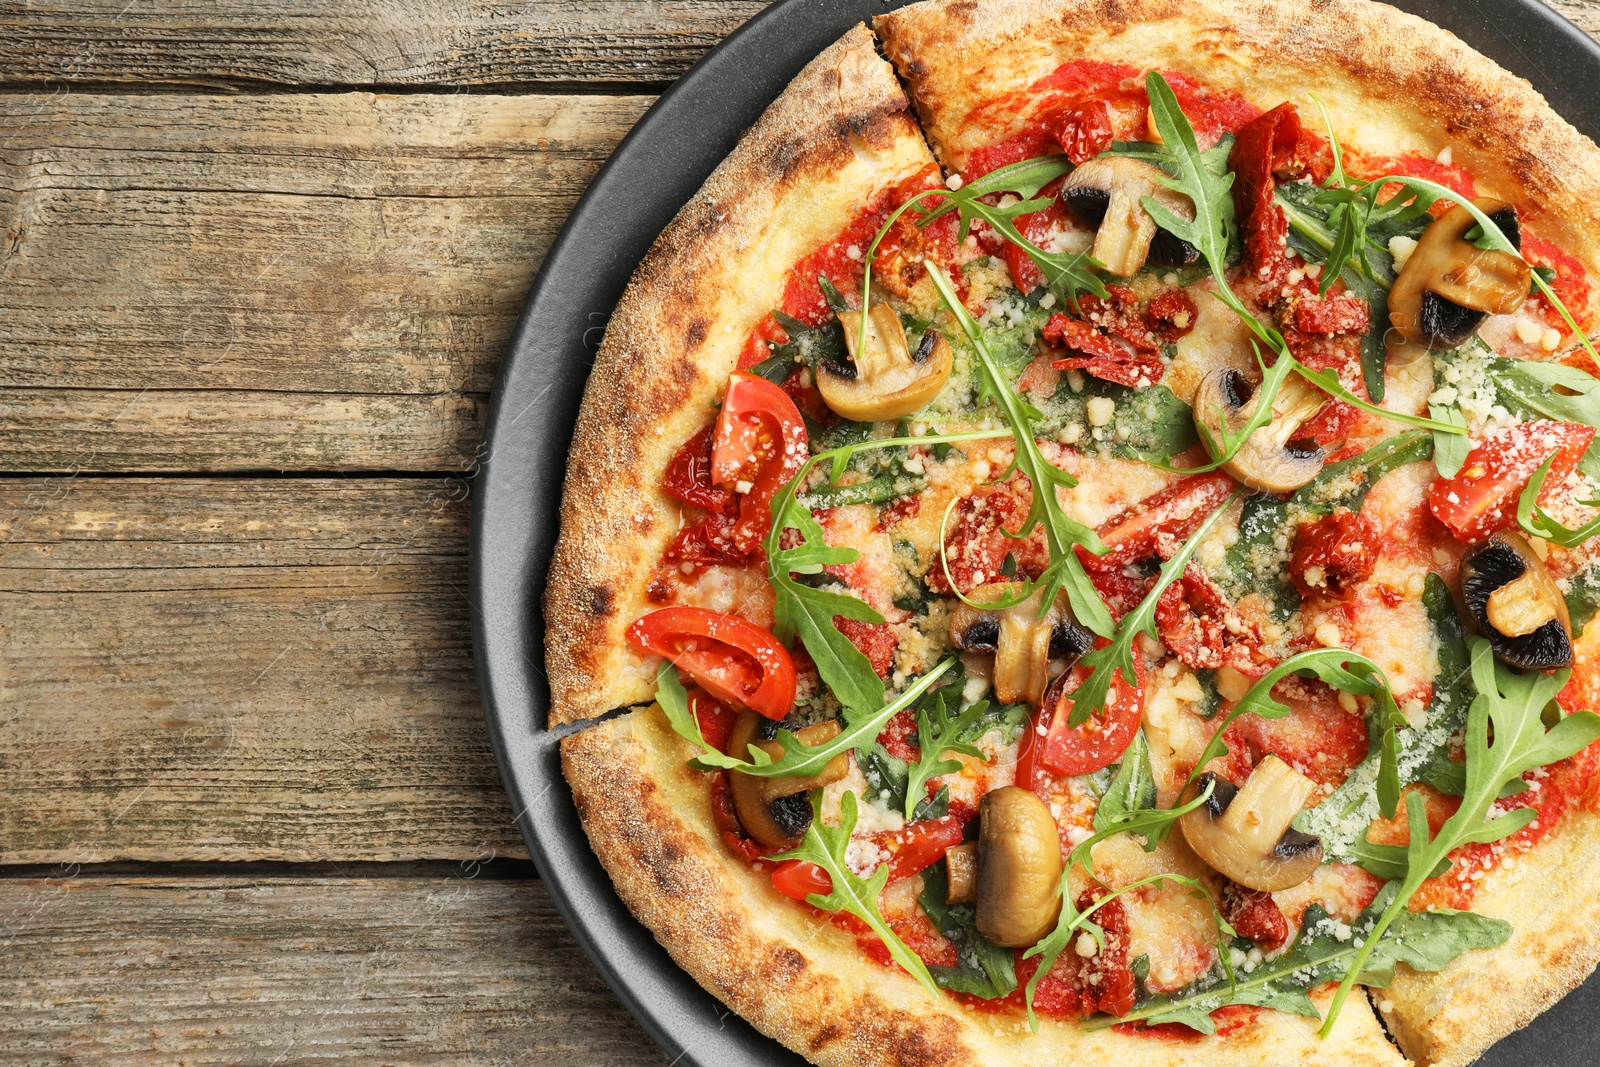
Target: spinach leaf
1325 950
1132 788
1583 597
982 969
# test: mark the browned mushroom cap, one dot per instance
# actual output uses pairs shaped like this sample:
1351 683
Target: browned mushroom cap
1516 604
1449 284
885 379
777 811
1023 641
1019 868
1244 833
961 873
1276 458
1107 192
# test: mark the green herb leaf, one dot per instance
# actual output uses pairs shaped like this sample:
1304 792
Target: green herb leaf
1326 950
938 733
1091 694
825 846
1510 707
1062 534
1538 522
982 968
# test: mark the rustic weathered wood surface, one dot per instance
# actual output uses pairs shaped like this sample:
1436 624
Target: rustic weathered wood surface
245 238
454 964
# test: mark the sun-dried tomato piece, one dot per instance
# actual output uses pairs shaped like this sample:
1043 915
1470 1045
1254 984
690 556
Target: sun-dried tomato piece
1199 626
708 542
1269 148
1333 554
1171 314
977 546
1255 915
875 640
1084 131
1339 314
1103 356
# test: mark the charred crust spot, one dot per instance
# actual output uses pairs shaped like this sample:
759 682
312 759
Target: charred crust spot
825 1037
695 335
789 964
601 601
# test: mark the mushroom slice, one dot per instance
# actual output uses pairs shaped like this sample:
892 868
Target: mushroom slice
1274 459
1515 602
777 811
961 873
1244 833
1449 284
1023 641
1019 868
884 379
1106 193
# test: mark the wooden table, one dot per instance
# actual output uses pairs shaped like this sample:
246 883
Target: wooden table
260 262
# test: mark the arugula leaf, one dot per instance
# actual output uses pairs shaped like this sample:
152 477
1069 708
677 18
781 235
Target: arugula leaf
1062 534
825 846
1325 950
1538 522
1090 696
982 968
937 734
1510 706
1132 789
1341 668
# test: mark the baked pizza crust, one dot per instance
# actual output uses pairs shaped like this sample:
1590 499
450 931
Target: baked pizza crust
1392 83
806 982
1445 1019
837 136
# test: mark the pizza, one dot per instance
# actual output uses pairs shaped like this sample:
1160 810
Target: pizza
1078 547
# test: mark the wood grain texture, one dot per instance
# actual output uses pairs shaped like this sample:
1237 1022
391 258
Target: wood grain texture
240 669
449 967
361 42
296 282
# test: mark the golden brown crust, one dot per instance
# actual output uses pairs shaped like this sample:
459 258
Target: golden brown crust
1449 1017
1392 82
840 134
806 982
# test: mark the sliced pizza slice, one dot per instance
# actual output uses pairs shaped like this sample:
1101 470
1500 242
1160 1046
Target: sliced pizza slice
801 194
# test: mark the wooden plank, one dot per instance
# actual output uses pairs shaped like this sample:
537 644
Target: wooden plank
446 968
1585 14
240 669
361 42
292 282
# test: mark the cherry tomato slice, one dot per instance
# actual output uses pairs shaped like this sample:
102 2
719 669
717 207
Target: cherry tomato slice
759 443
918 845
1050 745
688 477
716 719
733 660
1482 496
801 878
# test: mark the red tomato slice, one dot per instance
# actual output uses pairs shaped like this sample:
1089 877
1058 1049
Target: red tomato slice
1482 497
801 878
1051 745
1167 517
733 660
716 720
758 445
918 845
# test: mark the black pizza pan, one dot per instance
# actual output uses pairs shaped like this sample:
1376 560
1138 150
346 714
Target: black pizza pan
517 491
